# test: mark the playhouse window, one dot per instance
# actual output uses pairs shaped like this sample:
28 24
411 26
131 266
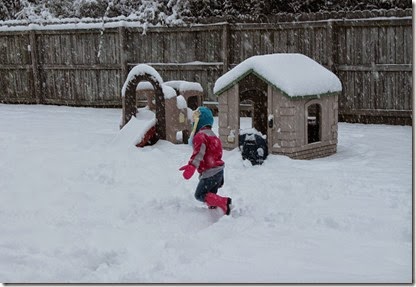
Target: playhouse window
193 102
314 123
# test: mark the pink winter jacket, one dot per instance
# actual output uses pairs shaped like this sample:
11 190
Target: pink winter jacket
207 153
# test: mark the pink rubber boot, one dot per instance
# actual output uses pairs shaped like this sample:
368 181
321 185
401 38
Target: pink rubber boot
213 199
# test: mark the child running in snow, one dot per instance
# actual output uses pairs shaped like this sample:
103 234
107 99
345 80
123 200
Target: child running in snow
206 158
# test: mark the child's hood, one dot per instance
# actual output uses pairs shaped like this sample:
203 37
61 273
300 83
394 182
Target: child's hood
205 118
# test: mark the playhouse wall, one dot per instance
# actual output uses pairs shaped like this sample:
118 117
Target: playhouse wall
330 118
176 119
289 134
228 112
287 124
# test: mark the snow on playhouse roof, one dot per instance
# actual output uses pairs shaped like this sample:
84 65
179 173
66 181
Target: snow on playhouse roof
183 86
296 75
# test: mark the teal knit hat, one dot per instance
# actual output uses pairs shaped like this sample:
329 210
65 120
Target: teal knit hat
205 118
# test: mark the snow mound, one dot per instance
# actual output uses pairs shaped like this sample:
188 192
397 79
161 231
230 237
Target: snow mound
134 131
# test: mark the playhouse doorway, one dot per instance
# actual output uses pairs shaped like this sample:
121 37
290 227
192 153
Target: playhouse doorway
253 105
314 123
253 102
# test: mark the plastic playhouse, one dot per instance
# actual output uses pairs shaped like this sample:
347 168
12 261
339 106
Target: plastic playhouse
295 104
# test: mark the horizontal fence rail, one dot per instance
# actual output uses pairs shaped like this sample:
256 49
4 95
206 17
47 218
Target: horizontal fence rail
87 67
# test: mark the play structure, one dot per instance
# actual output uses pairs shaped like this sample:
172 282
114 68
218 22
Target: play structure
294 107
295 104
167 113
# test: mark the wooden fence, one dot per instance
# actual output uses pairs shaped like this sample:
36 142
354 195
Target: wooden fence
87 67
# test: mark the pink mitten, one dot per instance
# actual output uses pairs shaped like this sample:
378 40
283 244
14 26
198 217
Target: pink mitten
189 171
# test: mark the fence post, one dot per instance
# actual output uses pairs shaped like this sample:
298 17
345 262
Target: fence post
37 91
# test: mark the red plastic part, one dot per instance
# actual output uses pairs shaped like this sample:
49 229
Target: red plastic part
148 135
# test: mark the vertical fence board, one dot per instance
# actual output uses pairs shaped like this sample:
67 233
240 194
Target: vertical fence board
408 82
391 53
266 42
382 46
399 45
407 44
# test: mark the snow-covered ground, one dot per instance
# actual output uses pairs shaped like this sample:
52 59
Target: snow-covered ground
76 208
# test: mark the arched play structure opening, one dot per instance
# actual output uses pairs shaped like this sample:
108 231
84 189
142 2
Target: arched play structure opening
129 100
